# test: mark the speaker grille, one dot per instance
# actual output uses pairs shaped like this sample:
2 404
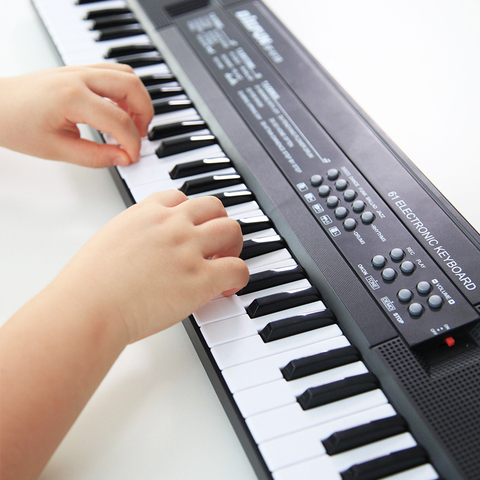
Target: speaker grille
447 394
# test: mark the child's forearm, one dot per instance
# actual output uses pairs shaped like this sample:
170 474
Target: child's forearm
146 270
56 351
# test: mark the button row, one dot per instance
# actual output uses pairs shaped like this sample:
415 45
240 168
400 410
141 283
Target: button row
416 309
349 195
397 255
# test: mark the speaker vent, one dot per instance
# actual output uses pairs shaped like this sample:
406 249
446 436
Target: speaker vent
447 395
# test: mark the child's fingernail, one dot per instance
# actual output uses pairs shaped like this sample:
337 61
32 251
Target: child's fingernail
120 161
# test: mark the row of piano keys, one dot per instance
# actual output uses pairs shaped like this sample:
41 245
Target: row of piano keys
308 400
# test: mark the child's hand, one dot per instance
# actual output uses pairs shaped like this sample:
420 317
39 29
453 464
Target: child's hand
159 261
40 112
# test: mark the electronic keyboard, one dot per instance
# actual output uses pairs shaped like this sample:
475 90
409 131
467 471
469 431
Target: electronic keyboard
353 352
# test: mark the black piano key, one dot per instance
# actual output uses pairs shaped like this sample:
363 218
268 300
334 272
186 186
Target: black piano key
165 91
229 199
84 2
272 278
371 432
177 128
254 224
321 362
288 327
157 79
282 301
184 143
198 167
141 60
171 105
388 465
214 182
119 32
113 21
127 50
106 12
260 246
335 391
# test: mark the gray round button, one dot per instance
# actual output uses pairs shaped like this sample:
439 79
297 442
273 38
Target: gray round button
397 254
435 302
407 267
332 201
341 213
389 274
350 224
349 195
333 174
405 295
415 309
341 184
358 206
379 261
316 180
423 288
367 218
324 191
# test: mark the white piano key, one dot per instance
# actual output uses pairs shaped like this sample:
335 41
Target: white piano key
96 55
267 369
343 461
251 348
81 37
94 49
306 444
280 392
54 10
283 263
69 42
140 192
241 209
144 188
87 44
69 7
220 331
315 469
157 171
291 418
264 261
232 328
172 117
71 25
219 309
149 70
262 233
251 213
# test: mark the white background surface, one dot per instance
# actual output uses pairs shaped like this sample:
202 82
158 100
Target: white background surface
414 66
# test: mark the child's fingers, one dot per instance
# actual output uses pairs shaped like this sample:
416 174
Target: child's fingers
203 209
227 274
124 88
168 198
108 117
221 237
87 153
